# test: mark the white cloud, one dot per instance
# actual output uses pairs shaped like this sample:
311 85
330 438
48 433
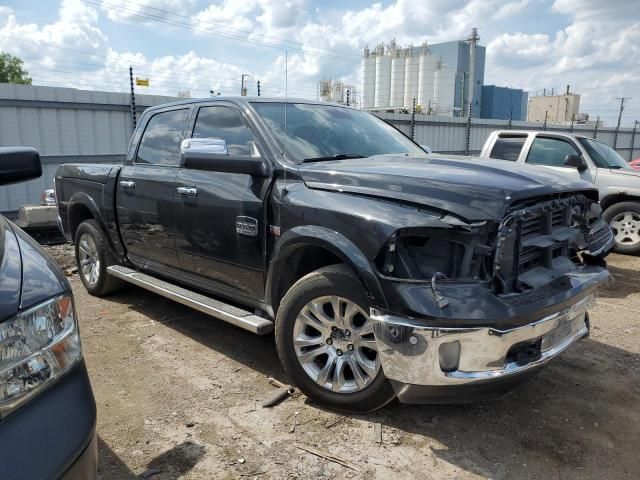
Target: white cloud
74 31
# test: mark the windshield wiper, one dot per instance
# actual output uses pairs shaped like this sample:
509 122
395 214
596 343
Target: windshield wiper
337 156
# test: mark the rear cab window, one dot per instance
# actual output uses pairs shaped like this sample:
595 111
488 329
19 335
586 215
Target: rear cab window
160 143
508 147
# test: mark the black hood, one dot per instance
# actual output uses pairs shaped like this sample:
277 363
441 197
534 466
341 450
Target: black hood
28 275
472 188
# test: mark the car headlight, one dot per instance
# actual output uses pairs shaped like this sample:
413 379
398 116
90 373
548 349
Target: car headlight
37 347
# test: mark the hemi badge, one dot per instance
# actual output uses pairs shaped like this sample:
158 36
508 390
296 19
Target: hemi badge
247 226
274 230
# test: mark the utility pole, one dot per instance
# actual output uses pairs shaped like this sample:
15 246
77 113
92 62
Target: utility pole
133 99
573 119
633 139
595 129
243 87
615 135
258 84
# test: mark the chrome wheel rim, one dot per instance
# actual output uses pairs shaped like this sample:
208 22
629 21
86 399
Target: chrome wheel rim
333 340
89 259
626 227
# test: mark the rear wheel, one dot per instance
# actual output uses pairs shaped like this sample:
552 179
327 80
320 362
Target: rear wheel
92 258
325 341
624 219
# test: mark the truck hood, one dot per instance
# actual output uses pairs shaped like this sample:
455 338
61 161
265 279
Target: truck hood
475 189
28 275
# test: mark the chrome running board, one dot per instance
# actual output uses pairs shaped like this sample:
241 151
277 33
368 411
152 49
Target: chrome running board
215 308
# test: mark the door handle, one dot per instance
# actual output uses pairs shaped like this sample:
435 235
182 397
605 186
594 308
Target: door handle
188 191
127 184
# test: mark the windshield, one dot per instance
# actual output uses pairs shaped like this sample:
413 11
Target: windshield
324 132
603 155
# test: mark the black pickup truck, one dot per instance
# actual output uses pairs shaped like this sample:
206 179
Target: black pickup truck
384 271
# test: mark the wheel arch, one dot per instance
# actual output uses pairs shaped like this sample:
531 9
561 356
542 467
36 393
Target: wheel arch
82 207
302 250
612 199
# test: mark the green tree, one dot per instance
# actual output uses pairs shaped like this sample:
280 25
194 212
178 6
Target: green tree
11 70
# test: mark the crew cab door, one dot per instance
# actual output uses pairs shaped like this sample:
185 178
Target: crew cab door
220 217
551 151
146 191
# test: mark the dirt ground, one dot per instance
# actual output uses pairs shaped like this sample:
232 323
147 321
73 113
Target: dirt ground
179 394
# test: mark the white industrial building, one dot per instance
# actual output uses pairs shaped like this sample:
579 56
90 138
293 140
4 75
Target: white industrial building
444 79
337 91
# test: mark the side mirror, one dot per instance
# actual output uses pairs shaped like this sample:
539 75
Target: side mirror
426 148
18 164
211 154
576 161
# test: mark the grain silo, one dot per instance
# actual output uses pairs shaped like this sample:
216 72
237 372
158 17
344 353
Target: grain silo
383 78
412 64
396 98
426 74
368 79
444 88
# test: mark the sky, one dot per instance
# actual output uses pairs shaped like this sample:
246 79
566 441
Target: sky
198 46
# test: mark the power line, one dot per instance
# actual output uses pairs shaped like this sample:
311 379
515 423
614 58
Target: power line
188 26
226 27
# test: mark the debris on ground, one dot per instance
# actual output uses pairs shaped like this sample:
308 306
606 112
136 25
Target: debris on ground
327 456
284 391
150 473
377 433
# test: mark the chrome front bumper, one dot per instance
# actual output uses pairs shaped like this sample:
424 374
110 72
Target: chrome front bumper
432 356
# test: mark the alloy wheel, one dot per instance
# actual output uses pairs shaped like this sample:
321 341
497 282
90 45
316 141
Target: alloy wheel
334 342
89 259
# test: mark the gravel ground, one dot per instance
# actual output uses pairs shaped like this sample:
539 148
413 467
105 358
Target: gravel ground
179 394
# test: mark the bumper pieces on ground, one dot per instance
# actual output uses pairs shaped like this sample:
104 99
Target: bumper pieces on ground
417 358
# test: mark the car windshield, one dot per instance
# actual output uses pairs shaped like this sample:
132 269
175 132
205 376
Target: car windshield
326 132
603 155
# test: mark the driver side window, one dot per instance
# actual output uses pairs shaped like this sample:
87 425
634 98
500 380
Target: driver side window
226 124
550 152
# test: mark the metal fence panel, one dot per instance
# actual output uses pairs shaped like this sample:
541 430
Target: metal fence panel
66 125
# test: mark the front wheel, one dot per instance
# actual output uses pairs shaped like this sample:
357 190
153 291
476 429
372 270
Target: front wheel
92 258
624 219
326 344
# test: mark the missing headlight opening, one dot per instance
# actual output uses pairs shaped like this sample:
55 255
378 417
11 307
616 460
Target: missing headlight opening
421 253
534 244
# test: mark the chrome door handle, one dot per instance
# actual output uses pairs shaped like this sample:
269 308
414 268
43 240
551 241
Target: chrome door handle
188 191
127 184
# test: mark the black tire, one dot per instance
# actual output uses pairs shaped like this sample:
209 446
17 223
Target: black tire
615 210
105 283
332 280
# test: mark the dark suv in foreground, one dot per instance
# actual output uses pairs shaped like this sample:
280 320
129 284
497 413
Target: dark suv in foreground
47 409
383 271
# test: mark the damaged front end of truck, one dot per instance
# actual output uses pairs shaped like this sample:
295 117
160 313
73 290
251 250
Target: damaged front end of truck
480 305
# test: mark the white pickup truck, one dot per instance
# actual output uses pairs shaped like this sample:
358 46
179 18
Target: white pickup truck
582 157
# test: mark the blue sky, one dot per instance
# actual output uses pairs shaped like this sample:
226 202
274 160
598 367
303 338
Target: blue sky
186 45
